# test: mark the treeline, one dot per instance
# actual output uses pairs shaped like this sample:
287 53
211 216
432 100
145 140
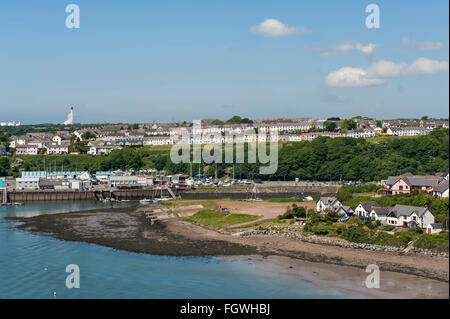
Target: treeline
322 159
46 127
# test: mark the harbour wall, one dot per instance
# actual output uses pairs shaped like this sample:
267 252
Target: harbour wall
150 193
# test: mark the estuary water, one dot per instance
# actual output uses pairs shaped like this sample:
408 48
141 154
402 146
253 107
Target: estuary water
34 266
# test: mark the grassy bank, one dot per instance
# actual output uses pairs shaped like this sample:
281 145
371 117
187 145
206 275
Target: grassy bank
219 220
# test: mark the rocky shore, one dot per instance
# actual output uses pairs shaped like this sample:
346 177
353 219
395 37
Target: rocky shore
290 232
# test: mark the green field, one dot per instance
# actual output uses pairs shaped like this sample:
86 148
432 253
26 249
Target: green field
215 219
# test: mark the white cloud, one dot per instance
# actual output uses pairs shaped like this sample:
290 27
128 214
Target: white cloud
368 49
424 65
344 47
275 28
386 69
351 77
425 46
378 72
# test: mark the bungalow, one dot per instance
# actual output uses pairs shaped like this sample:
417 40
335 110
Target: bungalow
402 215
441 190
364 208
327 202
405 183
379 213
434 228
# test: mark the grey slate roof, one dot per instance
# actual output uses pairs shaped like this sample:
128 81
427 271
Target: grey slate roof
368 205
417 181
403 210
392 180
380 211
328 200
347 209
442 187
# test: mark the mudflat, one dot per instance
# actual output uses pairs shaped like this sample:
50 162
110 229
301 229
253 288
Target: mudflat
154 229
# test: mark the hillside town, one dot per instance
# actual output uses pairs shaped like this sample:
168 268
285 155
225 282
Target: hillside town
102 139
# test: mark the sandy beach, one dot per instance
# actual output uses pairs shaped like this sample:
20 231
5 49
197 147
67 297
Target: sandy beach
130 229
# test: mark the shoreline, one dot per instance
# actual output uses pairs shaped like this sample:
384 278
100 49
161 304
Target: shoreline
127 228
350 280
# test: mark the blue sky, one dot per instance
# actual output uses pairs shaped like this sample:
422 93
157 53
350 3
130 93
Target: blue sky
184 60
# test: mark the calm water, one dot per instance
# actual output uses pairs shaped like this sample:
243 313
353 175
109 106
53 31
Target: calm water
108 273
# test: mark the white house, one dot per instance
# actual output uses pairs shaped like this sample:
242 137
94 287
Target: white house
327 202
58 149
379 213
364 208
441 190
27 150
401 215
57 139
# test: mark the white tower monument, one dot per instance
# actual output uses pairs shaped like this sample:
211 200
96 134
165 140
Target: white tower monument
69 120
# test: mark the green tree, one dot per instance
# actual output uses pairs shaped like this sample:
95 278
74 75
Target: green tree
4 166
348 125
217 122
234 120
88 135
330 126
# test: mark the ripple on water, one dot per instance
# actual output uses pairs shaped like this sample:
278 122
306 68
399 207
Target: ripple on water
108 273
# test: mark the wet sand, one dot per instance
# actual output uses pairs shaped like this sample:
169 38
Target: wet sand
351 279
131 229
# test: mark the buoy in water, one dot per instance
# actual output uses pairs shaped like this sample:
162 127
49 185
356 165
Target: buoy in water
54 293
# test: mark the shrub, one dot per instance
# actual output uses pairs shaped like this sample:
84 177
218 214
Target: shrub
387 227
437 242
320 230
356 234
293 212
